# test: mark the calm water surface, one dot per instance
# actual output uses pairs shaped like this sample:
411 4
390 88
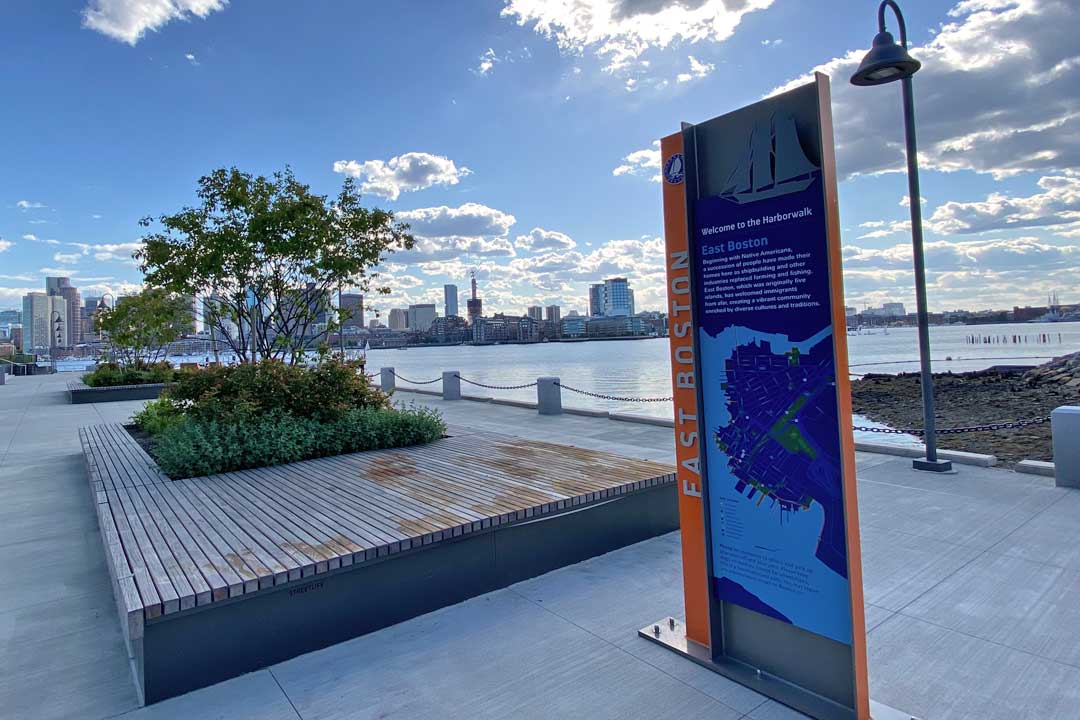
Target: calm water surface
641 368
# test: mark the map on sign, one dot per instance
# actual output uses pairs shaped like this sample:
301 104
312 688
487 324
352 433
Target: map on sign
784 398
773 459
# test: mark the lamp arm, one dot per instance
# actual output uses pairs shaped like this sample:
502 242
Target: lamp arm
899 19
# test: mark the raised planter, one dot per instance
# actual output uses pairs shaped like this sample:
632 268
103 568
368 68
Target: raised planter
222 575
79 392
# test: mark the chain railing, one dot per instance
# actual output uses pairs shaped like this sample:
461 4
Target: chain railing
918 432
496 387
415 382
615 398
985 427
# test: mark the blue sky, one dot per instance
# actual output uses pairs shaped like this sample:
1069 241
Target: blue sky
516 137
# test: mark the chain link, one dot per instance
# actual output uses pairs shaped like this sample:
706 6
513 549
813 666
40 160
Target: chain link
919 432
600 396
986 427
416 382
497 387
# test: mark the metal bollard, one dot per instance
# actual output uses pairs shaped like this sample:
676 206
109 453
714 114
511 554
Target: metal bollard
451 385
1065 429
548 396
386 379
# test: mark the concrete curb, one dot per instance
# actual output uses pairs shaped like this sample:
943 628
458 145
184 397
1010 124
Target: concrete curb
513 403
911 451
1035 467
435 393
643 419
586 413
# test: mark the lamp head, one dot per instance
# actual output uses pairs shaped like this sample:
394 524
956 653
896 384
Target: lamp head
887 61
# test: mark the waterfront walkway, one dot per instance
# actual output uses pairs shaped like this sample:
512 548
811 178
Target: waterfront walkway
972 584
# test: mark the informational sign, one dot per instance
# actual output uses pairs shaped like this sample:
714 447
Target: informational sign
762 404
768 380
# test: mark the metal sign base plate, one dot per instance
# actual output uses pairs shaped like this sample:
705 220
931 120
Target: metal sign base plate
671 634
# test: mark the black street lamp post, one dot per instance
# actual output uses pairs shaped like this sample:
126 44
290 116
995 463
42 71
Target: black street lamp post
885 63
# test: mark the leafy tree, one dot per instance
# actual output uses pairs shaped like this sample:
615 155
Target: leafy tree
266 256
141 326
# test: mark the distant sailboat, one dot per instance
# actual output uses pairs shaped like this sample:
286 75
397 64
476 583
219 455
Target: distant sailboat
774 163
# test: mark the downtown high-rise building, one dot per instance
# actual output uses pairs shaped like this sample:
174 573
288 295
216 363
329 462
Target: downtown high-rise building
552 313
398 319
421 316
596 300
611 298
450 305
71 314
474 304
352 307
44 322
535 312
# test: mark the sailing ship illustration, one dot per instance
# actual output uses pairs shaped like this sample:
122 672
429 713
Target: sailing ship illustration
774 163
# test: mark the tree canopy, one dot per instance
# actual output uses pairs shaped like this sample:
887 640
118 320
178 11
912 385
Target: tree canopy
266 255
141 326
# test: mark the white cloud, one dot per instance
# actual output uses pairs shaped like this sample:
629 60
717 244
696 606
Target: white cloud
489 59
487 62
773 42
12 296
906 201
881 228
29 205
470 220
405 173
620 31
110 252
128 20
5 245
645 162
698 69
190 57
976 105
67 258
994 273
444 233
1057 205
541 239
34 238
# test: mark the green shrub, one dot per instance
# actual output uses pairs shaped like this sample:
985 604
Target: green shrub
325 392
111 374
104 375
158 416
196 446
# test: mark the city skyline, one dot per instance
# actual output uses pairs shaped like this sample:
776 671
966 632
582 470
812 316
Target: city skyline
591 90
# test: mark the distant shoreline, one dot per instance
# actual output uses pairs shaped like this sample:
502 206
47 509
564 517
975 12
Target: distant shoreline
524 342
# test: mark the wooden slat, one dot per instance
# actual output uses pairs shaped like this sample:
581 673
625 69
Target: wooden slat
174 545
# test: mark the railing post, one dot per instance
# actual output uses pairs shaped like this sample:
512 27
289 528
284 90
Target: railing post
1065 429
451 385
386 379
548 396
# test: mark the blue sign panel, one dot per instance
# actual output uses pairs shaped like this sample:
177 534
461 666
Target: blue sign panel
768 383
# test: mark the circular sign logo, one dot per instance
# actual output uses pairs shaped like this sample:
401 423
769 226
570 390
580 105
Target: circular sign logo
674 169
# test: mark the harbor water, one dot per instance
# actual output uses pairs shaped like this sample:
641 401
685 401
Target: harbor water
641 368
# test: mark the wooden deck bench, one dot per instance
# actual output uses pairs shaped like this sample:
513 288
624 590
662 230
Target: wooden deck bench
248 568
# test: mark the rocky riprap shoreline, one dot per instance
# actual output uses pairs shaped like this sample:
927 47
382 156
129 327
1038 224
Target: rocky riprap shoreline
977 398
